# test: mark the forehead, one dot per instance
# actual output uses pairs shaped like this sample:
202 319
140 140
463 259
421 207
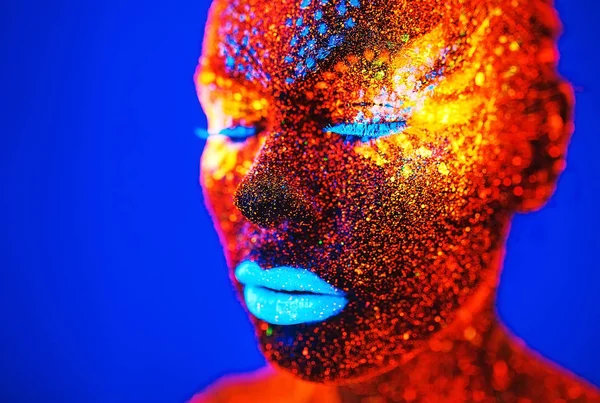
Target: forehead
285 41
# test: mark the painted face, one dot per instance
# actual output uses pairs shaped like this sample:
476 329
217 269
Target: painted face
364 159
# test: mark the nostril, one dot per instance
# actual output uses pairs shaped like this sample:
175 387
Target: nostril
265 198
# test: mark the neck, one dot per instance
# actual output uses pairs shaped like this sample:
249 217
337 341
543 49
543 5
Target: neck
467 356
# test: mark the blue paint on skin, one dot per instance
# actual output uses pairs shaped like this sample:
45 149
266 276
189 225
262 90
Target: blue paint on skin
305 4
311 44
240 55
323 53
341 8
335 40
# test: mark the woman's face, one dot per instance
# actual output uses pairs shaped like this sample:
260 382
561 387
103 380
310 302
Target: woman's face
366 157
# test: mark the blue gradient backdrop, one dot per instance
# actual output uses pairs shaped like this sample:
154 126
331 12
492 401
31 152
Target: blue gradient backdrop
113 285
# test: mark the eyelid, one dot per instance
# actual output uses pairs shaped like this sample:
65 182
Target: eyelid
238 132
367 131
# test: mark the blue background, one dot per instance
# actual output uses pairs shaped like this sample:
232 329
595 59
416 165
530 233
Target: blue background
113 284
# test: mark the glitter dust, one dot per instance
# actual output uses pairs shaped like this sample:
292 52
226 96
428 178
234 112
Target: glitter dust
378 150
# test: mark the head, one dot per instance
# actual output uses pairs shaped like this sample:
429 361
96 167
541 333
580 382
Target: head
383 146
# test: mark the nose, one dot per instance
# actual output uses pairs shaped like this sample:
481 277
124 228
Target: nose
266 198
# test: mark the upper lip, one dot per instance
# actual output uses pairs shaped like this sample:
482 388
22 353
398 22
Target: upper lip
284 278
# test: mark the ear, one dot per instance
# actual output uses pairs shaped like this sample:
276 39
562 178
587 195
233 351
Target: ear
549 123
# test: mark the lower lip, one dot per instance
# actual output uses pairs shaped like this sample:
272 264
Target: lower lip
280 308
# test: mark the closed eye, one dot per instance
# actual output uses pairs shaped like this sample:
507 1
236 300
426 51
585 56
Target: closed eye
239 133
367 131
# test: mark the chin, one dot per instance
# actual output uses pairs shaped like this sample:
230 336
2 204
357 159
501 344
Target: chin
340 350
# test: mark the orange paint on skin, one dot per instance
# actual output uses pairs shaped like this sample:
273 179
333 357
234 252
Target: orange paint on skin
411 224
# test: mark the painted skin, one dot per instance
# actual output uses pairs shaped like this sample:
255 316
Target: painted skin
384 147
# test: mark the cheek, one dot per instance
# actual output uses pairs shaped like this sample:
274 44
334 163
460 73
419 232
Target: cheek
223 165
430 229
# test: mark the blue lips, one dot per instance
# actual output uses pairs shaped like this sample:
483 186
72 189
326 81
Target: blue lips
287 295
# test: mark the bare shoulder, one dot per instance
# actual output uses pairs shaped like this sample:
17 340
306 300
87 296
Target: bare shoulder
265 385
